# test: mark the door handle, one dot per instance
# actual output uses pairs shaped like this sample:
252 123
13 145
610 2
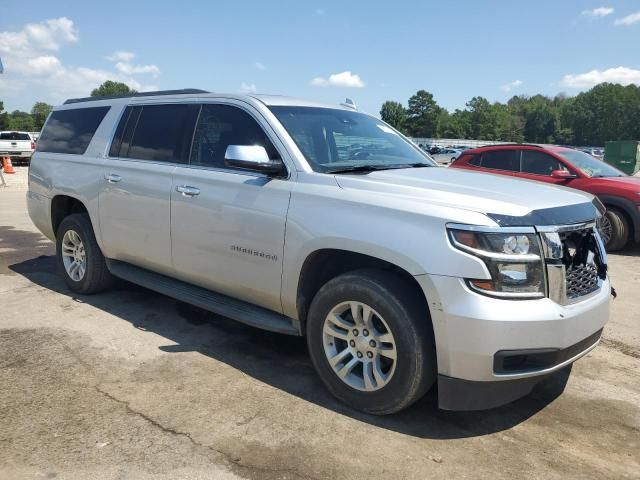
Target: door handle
188 191
112 178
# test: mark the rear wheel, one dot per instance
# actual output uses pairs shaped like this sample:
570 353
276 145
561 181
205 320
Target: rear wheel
614 229
82 264
371 341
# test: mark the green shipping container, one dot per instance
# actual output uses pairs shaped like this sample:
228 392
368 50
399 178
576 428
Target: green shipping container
624 155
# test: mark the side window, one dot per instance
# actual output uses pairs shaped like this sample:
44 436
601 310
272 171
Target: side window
155 132
539 163
71 131
501 160
475 160
220 126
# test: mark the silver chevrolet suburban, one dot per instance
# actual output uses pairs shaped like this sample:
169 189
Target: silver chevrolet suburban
318 220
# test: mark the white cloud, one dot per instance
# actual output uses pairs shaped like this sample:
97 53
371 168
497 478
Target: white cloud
628 20
511 85
598 12
48 35
343 79
121 56
247 87
32 72
260 66
621 75
130 69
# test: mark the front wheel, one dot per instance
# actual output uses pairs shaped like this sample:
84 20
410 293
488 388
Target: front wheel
371 341
614 229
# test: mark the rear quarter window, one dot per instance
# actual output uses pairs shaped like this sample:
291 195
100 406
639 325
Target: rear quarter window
70 131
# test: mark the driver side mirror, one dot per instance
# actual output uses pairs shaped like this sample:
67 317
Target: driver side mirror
562 174
252 157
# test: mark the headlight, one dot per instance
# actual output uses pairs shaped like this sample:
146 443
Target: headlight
514 261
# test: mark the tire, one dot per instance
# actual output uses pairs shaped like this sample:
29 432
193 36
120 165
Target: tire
398 310
95 276
618 228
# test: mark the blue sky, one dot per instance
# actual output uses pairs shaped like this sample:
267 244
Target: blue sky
324 50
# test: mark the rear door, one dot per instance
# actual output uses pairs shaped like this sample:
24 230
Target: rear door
227 224
500 161
134 203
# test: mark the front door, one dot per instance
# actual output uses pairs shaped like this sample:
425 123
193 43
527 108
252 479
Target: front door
228 225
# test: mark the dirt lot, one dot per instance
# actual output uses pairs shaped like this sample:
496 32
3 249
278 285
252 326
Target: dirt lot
130 384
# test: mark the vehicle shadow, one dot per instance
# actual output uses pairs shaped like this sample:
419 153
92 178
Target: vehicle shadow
631 250
280 360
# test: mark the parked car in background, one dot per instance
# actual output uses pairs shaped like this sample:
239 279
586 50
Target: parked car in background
318 220
19 146
446 155
573 168
594 152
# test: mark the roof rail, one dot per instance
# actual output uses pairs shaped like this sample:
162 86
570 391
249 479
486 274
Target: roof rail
514 144
183 91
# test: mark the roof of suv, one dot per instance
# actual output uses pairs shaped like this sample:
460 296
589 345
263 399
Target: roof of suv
269 100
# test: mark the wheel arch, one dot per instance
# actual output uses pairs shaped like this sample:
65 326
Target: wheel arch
628 209
63 206
322 265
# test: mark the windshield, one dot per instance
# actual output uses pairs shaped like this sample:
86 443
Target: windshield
333 140
592 167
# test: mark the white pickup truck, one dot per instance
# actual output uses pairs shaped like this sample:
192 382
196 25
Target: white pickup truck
17 145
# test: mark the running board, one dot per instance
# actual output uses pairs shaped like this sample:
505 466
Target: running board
206 299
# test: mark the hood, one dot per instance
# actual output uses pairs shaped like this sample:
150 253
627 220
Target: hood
498 196
627 184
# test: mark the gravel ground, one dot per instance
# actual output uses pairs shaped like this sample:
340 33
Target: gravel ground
129 384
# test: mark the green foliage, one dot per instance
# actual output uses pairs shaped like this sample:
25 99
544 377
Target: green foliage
21 121
423 113
112 88
606 112
40 111
394 114
4 118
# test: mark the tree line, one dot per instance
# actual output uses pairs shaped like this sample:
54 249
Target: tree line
605 112
33 120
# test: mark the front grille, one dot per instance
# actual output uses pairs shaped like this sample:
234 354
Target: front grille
583 262
581 280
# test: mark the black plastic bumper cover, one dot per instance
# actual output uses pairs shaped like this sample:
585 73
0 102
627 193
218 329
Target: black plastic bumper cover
465 395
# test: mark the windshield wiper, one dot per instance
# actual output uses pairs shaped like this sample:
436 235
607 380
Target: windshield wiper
373 168
362 168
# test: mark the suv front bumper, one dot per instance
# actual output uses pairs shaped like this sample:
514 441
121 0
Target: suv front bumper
475 334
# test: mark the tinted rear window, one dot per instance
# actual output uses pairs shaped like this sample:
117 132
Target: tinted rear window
14 136
156 132
501 160
71 131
